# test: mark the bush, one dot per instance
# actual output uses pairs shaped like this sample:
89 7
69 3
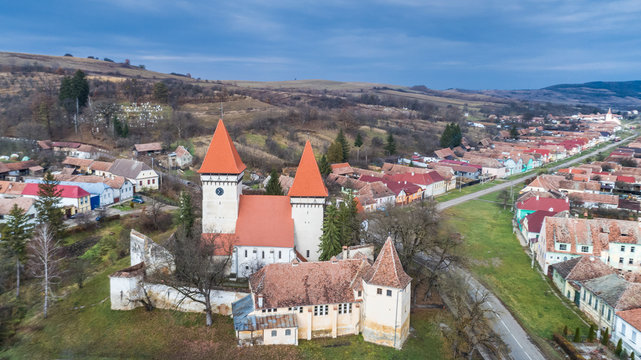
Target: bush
591 333
619 348
577 335
605 337
569 349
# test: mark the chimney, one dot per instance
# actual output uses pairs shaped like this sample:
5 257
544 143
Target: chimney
260 300
345 252
412 173
567 200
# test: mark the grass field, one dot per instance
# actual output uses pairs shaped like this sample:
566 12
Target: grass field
499 261
466 190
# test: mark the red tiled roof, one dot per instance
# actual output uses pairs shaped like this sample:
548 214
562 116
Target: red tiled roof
547 204
308 180
66 191
626 179
222 157
632 317
387 269
154 146
535 220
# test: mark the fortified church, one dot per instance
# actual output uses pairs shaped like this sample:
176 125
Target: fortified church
260 229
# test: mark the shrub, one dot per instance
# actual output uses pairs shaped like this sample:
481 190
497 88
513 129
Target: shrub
577 335
565 330
605 337
619 348
591 333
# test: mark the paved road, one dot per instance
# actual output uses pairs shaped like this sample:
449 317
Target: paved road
464 198
513 335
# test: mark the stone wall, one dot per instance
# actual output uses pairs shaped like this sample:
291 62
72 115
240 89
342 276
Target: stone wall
155 257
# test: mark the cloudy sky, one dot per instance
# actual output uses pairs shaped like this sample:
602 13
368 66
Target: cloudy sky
474 44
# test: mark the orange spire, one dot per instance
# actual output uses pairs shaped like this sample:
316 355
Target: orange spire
308 181
221 157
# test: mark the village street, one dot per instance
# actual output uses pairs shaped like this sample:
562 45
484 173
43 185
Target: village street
504 324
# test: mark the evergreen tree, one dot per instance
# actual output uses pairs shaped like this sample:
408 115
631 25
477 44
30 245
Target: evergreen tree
619 348
353 222
605 337
632 356
273 185
330 241
565 330
624 354
186 213
15 234
48 205
514 134
335 153
340 138
390 147
451 136
161 92
324 166
577 335
591 333
72 88
446 136
359 140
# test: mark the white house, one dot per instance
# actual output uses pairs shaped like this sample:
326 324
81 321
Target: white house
180 158
73 199
139 173
628 328
24 203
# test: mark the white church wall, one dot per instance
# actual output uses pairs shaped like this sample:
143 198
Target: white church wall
308 225
386 318
221 208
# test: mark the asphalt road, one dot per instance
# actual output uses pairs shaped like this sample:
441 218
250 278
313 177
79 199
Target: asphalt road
446 204
513 335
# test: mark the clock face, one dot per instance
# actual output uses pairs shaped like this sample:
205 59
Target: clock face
220 191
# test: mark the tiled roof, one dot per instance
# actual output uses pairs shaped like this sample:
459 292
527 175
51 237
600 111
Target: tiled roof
221 157
444 153
342 169
594 198
100 165
243 321
387 269
181 151
74 161
632 317
6 204
616 292
11 187
582 268
596 232
66 191
308 181
535 220
308 283
128 168
154 146
542 203
389 168
21 165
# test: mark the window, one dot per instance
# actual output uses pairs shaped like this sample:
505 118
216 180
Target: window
280 254
622 247
596 303
634 336
307 254
300 309
389 292
245 253
620 260
590 301
563 247
153 181
622 328
360 293
631 248
585 249
609 313
344 308
263 254
379 291
630 261
288 332
320 310
274 333
148 182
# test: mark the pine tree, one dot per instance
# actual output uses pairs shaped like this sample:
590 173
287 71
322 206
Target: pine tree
619 348
591 333
353 222
451 136
324 166
335 153
273 185
48 205
605 337
15 234
390 147
632 356
577 335
72 88
446 137
359 140
330 244
161 92
186 213
514 134
624 354
340 138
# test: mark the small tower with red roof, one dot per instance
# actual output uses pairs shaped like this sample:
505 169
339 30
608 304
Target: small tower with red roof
307 196
221 173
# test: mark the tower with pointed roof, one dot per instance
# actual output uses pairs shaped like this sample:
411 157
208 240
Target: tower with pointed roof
221 173
387 294
307 196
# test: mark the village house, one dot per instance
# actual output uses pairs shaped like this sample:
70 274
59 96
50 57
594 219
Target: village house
628 329
11 189
24 203
137 172
147 149
603 297
73 199
180 158
538 203
615 242
265 228
568 275
101 195
122 188
306 300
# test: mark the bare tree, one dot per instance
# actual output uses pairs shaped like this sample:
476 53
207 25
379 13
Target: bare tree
44 256
422 240
471 331
201 265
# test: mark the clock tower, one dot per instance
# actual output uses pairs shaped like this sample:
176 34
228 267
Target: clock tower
221 174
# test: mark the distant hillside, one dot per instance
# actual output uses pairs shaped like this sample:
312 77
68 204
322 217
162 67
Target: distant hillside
624 95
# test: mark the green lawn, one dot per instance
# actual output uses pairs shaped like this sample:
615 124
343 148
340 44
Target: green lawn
466 190
498 260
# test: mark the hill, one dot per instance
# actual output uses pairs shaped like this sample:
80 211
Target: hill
625 95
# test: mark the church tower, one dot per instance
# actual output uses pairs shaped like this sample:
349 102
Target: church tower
221 174
307 196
